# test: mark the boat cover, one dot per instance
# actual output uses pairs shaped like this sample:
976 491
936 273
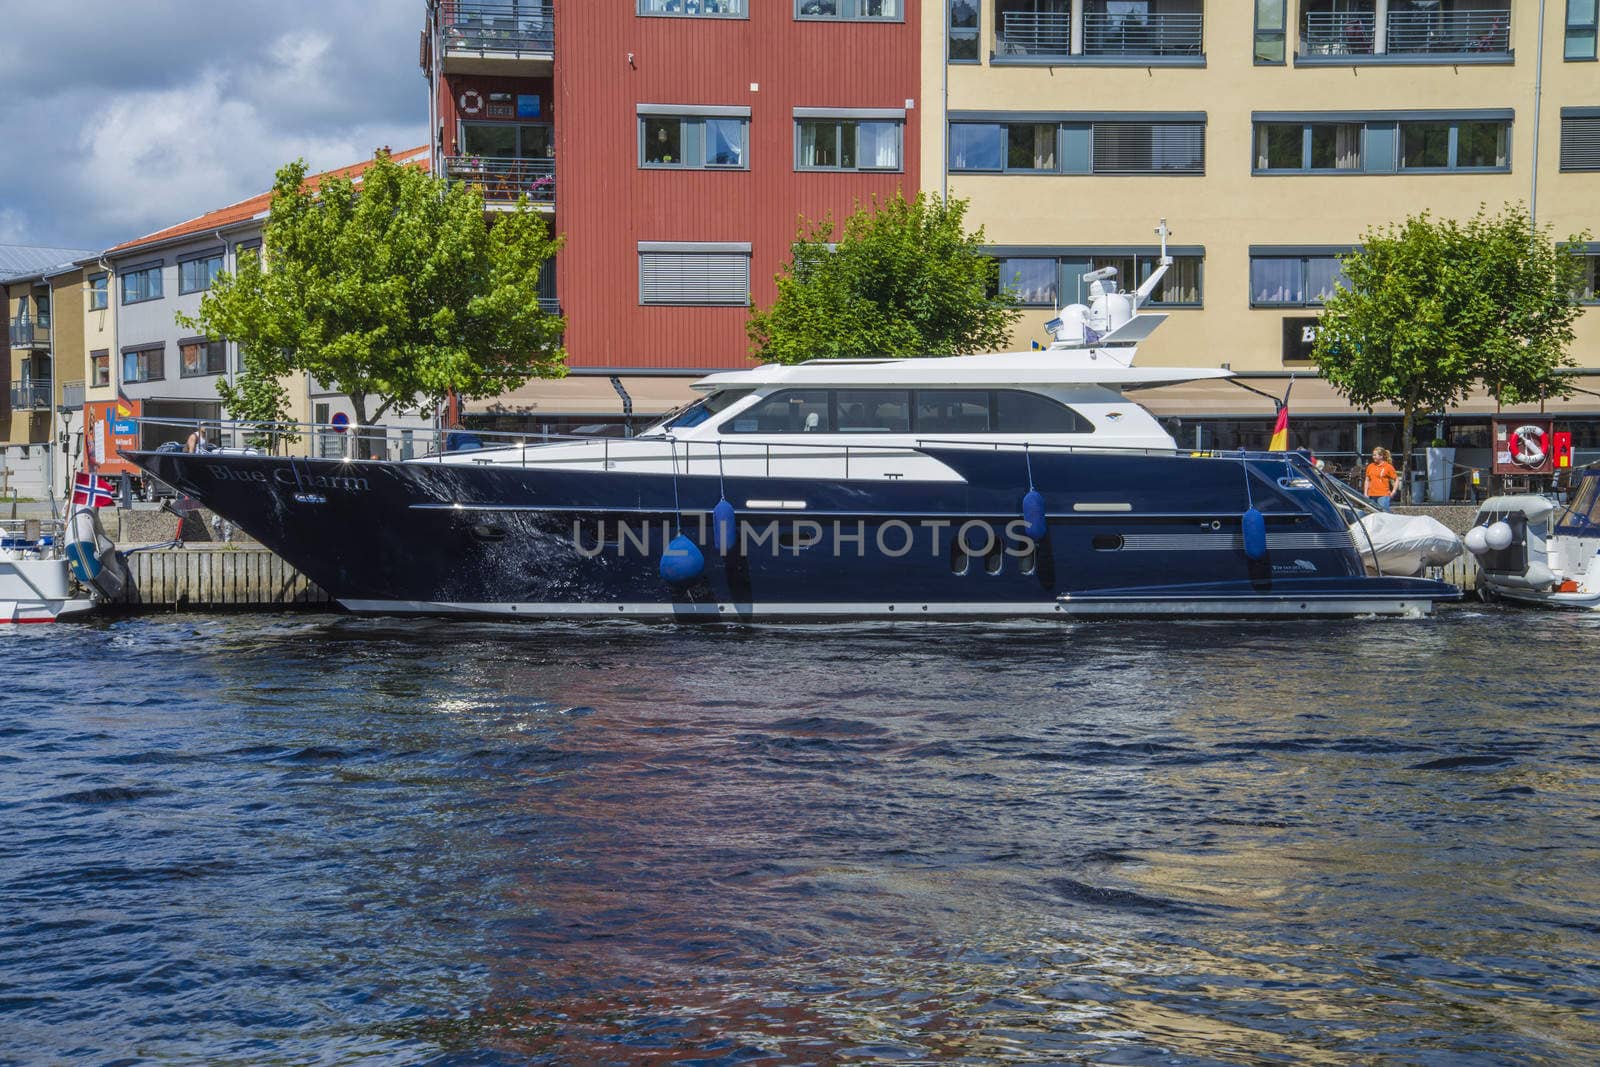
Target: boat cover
1404 544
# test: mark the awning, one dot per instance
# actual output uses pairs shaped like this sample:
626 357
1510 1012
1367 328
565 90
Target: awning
1218 399
590 394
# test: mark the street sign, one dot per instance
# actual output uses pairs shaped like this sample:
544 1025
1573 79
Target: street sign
341 422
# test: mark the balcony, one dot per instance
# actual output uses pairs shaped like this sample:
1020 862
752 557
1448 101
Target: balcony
1409 34
503 181
512 37
1034 33
1100 38
550 305
35 395
1149 36
31 332
72 394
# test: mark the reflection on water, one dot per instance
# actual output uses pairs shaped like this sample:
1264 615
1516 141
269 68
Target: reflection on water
260 839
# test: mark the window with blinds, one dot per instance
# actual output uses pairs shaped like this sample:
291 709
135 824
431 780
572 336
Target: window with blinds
1149 148
687 276
1580 140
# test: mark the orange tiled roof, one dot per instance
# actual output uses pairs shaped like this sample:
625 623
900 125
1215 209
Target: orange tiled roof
258 204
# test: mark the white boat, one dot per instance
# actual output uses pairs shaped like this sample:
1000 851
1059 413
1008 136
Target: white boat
1532 550
36 581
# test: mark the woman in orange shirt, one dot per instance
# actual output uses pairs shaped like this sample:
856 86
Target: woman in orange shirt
1381 479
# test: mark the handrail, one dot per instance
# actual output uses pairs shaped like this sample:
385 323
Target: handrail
507 440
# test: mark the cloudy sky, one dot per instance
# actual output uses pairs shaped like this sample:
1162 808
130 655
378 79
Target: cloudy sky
141 115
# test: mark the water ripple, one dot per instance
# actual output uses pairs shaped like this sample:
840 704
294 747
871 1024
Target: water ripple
314 839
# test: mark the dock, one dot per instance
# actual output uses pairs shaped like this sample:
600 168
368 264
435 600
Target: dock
215 577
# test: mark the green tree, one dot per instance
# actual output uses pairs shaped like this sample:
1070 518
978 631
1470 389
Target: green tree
396 292
1434 307
258 396
905 279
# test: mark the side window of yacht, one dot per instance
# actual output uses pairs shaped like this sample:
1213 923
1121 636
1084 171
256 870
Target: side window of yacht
952 411
791 411
1019 412
873 411
701 410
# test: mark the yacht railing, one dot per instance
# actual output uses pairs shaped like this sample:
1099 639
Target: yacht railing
348 443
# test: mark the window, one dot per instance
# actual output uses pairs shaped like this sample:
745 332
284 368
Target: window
888 10
1580 138
1588 290
870 411
196 275
1149 148
847 144
1018 412
1079 147
1308 146
1581 28
695 274
1031 281
952 411
99 292
695 142
791 411
691 8
1270 23
141 285
1452 146
1294 280
1336 143
963 42
201 357
1054 281
100 367
508 140
142 365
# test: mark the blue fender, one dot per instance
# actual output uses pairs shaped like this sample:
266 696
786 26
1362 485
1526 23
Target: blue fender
1033 517
1254 526
682 562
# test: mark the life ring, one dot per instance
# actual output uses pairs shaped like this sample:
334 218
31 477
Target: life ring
1528 446
471 102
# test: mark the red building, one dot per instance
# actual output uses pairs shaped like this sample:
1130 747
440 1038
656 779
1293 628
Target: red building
676 145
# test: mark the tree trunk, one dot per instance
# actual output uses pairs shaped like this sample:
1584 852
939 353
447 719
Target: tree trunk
1407 425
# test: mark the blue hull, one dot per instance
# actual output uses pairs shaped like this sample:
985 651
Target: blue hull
1127 534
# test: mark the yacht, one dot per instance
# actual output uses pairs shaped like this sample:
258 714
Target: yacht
1532 550
1024 484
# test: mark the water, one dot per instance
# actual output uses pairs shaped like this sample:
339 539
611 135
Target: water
274 839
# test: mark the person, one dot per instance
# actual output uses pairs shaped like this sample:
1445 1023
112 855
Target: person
197 441
1381 479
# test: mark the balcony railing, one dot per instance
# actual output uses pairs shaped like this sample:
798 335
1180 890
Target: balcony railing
32 395
31 332
509 27
72 394
1173 33
1454 32
1352 33
1035 33
550 305
502 180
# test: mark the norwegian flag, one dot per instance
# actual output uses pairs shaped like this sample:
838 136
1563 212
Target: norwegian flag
92 490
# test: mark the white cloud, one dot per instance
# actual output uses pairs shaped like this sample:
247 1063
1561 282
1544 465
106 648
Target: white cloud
135 124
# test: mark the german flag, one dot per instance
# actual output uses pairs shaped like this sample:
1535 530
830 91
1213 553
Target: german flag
1280 429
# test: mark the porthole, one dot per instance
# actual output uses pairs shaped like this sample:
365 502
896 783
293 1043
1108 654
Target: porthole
995 561
960 562
1108 542
1029 562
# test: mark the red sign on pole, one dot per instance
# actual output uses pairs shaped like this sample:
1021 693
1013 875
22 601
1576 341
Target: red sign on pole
1523 446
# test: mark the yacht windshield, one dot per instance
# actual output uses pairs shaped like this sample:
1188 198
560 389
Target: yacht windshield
1584 510
696 411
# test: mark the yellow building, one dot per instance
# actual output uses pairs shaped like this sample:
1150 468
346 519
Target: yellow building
1270 135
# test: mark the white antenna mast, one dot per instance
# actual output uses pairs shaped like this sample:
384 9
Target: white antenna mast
1142 294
